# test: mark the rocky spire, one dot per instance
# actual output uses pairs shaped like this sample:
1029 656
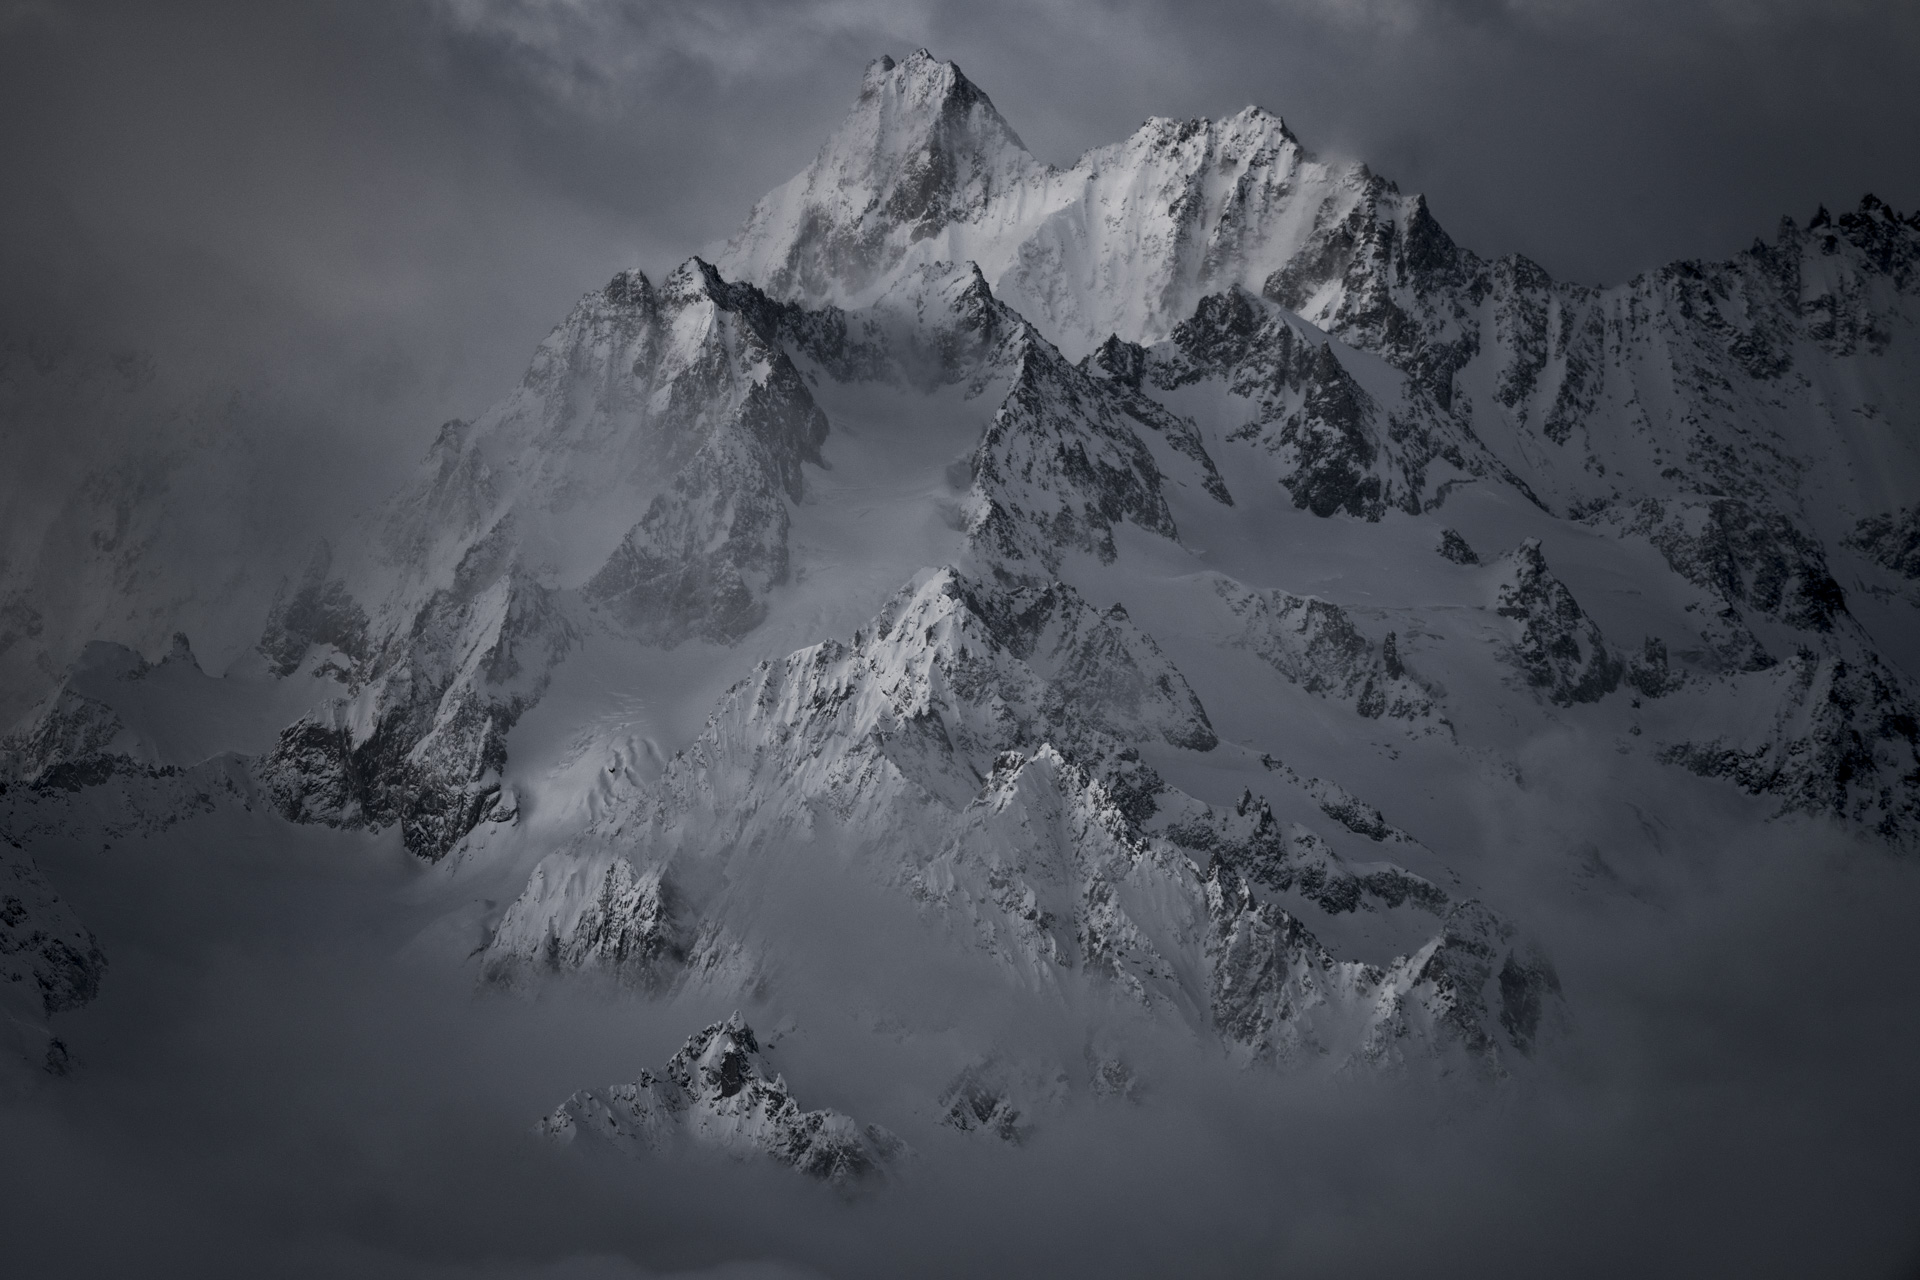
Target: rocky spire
921 148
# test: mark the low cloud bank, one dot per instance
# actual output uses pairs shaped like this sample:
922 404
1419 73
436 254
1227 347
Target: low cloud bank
269 1089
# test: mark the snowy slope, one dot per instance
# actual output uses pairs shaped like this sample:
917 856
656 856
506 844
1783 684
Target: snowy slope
643 469
1732 375
967 751
1187 589
1125 242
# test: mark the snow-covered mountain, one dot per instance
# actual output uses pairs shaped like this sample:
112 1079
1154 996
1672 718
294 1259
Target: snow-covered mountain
1127 241
719 1095
1144 577
978 752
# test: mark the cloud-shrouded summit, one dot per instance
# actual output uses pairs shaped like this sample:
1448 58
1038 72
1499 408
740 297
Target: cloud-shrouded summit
1124 242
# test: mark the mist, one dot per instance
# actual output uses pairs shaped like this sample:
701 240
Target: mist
318 233
275 1082
251 258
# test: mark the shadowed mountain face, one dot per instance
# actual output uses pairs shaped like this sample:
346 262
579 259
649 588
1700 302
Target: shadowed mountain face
1184 597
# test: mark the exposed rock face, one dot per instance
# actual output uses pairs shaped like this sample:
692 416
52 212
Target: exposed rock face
1891 541
1046 874
1455 548
44 946
701 366
1651 671
966 752
886 739
1366 361
73 738
1340 804
1669 385
317 612
1338 447
423 741
922 149
1560 651
719 1095
677 401
1316 645
1127 241
1230 201
702 558
1842 742
937 325
593 914
123 748
1066 457
920 707
1279 996
629 407
1381 362
1755 561
997 1098
76 738
1062 463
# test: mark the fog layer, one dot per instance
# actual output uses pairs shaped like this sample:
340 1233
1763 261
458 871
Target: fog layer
275 1083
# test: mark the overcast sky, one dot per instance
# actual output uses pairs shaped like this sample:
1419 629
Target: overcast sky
379 206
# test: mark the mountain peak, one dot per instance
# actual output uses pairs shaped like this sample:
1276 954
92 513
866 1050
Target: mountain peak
693 279
922 148
921 145
1250 128
921 75
1255 118
924 170
719 1093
